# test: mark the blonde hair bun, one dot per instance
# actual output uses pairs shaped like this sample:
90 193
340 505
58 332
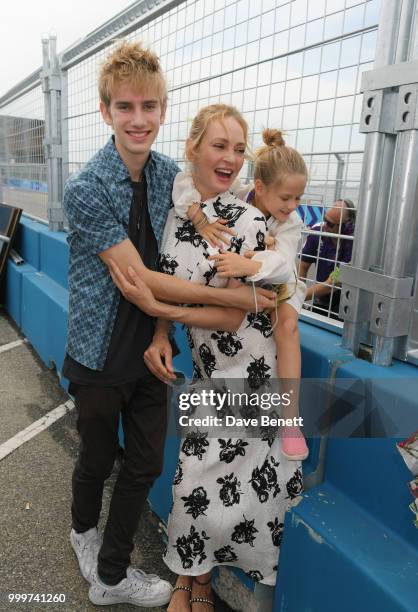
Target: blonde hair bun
275 160
273 138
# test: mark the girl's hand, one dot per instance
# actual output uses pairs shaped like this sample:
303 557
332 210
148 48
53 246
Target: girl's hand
135 291
215 233
232 265
270 242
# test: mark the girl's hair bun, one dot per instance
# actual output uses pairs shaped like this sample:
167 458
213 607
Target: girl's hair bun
273 138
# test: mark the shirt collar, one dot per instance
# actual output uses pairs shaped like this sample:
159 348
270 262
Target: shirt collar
119 171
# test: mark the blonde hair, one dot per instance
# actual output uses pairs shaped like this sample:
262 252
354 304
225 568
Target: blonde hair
130 62
213 112
275 160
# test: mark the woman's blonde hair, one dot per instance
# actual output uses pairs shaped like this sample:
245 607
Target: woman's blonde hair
275 160
213 112
133 64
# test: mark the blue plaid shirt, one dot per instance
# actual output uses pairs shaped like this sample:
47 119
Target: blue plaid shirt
97 201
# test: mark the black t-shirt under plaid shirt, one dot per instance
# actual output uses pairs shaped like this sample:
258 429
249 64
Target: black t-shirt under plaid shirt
133 329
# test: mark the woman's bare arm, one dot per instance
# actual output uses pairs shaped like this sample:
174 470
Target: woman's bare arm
171 289
209 317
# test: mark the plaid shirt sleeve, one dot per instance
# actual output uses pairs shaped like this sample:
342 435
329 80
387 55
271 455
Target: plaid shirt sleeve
92 221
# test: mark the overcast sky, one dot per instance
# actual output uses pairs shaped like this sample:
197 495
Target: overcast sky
23 23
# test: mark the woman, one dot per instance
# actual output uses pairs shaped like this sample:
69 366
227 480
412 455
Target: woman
230 495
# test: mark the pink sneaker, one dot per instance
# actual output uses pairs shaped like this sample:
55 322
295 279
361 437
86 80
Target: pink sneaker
293 444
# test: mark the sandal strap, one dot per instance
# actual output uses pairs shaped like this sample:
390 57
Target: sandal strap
204 600
202 583
182 587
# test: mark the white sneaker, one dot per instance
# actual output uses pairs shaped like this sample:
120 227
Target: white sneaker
138 589
86 547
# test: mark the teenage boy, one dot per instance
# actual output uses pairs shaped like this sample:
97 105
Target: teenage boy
117 207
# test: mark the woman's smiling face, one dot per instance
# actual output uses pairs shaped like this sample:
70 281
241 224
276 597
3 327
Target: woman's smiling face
219 157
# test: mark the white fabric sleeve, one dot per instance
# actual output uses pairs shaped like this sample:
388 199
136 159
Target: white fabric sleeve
184 194
278 264
275 269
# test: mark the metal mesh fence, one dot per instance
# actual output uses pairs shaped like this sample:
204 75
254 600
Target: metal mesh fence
291 64
23 173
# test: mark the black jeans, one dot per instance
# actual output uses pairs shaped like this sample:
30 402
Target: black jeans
143 406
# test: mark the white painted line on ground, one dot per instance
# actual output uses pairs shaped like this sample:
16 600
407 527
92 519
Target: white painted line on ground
11 345
33 430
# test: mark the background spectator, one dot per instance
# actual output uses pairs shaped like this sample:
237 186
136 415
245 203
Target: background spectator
327 253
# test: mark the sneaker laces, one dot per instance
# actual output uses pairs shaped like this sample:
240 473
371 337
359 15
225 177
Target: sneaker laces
137 583
141 575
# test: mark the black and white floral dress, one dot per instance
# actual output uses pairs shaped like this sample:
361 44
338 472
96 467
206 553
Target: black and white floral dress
230 493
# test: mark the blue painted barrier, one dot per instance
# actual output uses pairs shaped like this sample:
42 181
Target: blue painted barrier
360 548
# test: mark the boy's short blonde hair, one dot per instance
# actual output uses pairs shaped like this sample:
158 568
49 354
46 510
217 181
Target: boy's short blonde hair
133 64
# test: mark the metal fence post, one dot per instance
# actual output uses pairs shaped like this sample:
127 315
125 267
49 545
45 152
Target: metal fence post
377 166
399 238
51 86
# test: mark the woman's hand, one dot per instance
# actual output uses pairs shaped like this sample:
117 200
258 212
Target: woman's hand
215 233
136 291
159 358
232 265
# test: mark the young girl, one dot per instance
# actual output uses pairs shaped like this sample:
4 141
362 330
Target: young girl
280 176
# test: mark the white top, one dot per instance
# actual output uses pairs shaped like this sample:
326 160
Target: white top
277 265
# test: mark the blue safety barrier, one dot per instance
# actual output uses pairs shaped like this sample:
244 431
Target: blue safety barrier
350 543
27 185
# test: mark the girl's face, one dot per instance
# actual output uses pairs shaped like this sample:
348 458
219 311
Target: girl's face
219 157
282 199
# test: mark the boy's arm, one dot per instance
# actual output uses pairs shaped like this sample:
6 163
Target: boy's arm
209 317
171 289
158 356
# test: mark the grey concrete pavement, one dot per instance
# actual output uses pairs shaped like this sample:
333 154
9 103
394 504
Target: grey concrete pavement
35 490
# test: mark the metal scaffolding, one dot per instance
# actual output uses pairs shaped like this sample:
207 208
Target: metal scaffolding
378 288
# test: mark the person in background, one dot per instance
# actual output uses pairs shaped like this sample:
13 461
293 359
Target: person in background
328 253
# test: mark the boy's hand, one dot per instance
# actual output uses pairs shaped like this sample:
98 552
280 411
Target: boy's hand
158 358
215 233
135 290
232 265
